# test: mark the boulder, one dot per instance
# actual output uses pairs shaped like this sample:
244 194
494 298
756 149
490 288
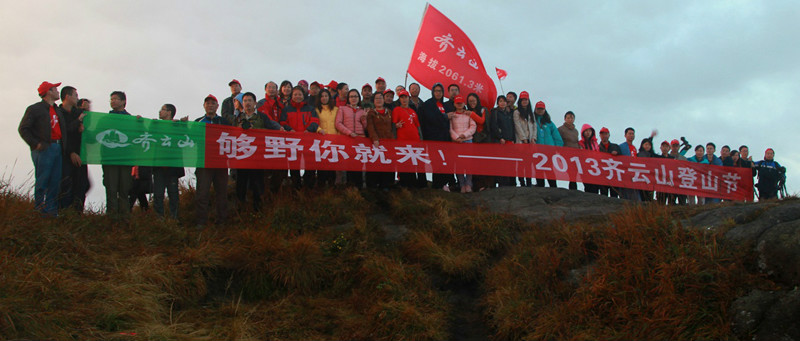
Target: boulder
543 205
767 316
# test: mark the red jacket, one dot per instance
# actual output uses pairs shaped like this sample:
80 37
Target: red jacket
410 129
299 117
271 108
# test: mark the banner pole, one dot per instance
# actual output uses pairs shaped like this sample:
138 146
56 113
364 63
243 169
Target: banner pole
405 83
501 85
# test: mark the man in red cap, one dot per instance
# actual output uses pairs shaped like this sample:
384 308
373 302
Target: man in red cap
366 96
41 128
227 104
380 85
606 146
208 176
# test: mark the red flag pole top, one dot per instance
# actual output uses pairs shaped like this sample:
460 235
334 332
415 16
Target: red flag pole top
443 53
501 74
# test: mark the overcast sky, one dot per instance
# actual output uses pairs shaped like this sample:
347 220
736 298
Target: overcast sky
726 71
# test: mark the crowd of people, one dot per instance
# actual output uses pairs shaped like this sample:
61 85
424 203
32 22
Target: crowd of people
53 133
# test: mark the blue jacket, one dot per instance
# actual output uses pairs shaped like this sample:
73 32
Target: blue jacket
548 134
715 161
694 159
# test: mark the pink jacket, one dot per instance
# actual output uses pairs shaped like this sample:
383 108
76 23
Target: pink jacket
462 124
349 120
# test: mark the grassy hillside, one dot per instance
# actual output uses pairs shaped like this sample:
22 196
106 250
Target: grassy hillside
344 264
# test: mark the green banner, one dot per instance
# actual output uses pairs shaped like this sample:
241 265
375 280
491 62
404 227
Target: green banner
113 139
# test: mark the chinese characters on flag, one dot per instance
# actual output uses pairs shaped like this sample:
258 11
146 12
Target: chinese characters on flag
228 147
444 54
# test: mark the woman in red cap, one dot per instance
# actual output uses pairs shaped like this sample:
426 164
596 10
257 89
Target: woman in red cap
524 128
462 127
546 134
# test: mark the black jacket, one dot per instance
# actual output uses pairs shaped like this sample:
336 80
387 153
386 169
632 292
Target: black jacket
502 125
435 124
34 127
73 129
216 120
611 148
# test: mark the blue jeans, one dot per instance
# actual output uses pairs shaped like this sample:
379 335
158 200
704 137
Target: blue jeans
48 176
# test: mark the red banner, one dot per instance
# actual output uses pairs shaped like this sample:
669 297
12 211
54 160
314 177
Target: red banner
444 54
229 147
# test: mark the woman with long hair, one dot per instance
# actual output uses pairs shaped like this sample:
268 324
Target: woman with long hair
326 110
524 128
503 131
546 134
480 116
351 120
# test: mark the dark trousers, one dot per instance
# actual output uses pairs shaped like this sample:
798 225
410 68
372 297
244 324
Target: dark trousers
165 179
355 178
326 178
572 185
590 188
540 183
608 191
380 179
118 182
74 185
439 180
525 182
205 178
412 180
249 180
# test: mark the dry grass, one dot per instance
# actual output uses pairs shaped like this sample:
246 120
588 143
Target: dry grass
313 265
647 278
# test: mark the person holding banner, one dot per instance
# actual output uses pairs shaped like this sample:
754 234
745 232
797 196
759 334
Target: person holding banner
570 136
299 116
524 127
166 178
379 126
118 179
462 127
479 115
326 111
589 142
547 134
503 131
606 146
351 121
436 127
206 177
406 122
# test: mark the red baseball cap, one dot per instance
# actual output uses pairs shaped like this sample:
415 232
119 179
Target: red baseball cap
316 83
234 82
675 142
458 99
540 104
302 81
665 143
604 130
332 85
211 97
380 79
388 91
769 149
46 86
366 86
402 93
524 94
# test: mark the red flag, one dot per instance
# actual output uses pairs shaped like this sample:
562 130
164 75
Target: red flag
501 74
444 54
